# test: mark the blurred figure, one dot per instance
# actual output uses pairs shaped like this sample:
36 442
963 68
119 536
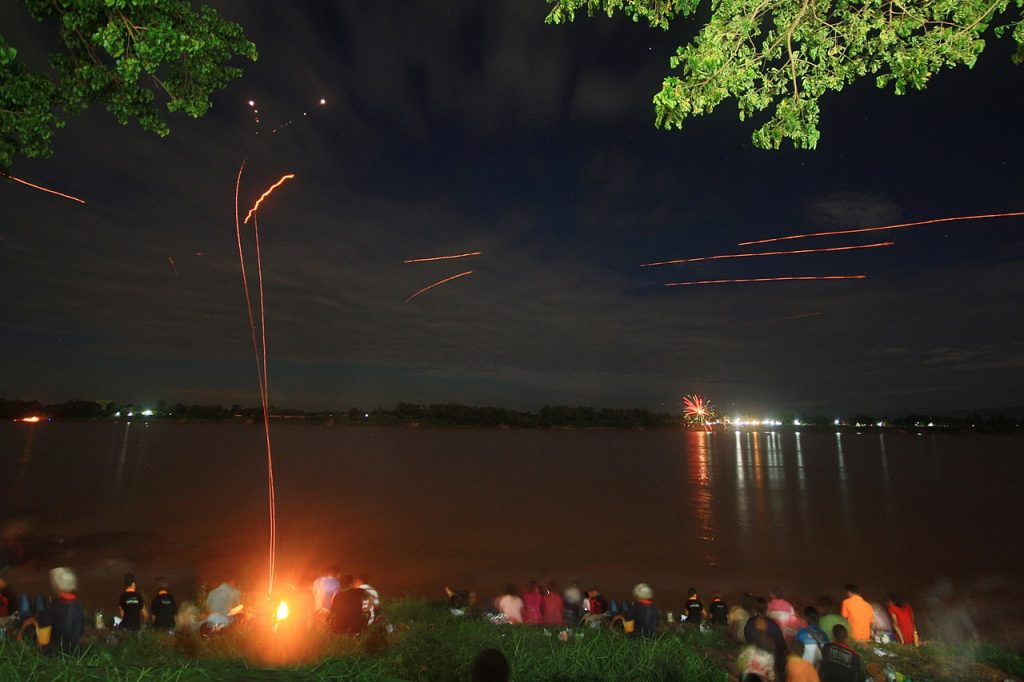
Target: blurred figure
65 616
8 600
859 613
510 605
573 600
324 589
371 600
903 624
164 608
718 610
798 668
223 604
840 663
347 615
694 608
812 637
827 616
881 624
643 612
552 607
782 612
490 665
756 662
739 615
532 599
131 606
764 632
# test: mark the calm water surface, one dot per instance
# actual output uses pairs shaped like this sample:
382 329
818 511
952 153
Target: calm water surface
420 508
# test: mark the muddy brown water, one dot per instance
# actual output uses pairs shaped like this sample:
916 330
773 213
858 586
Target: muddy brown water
935 516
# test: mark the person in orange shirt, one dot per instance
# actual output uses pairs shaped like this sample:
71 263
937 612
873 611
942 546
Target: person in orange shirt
797 669
859 613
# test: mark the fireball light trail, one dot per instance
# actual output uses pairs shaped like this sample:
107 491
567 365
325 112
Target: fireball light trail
428 260
41 188
270 190
262 385
437 284
767 253
764 279
882 227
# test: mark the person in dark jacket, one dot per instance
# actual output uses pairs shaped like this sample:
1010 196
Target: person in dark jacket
762 628
164 608
347 617
65 615
643 612
839 661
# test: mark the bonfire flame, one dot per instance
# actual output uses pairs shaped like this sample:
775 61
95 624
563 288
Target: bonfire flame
282 610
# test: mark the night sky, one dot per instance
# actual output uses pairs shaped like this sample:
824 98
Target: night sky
462 126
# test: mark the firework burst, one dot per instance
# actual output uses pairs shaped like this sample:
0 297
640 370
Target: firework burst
698 411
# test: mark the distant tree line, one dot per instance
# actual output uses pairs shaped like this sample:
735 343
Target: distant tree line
454 414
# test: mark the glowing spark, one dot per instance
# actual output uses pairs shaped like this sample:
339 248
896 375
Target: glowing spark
173 266
41 188
762 279
884 227
697 410
428 260
252 103
30 420
437 284
768 253
266 194
322 101
282 610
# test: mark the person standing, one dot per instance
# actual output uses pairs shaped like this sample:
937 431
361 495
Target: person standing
828 618
859 613
718 610
164 608
694 608
131 605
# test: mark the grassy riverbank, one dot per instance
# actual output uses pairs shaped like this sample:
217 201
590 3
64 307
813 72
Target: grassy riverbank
429 644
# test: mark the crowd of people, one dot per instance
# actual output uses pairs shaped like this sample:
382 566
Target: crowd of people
779 643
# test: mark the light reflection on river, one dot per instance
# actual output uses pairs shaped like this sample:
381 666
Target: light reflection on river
421 508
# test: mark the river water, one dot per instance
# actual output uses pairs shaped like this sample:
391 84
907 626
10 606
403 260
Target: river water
935 516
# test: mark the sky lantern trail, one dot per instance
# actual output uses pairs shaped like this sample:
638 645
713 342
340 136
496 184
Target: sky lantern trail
436 258
883 227
763 279
767 253
270 190
41 188
437 284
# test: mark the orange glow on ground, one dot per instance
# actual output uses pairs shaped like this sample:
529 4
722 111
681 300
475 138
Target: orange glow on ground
270 190
762 279
767 253
884 227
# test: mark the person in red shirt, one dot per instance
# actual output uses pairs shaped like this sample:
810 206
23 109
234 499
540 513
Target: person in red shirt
903 620
532 598
552 607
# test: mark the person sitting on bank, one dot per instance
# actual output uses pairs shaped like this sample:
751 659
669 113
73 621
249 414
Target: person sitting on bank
131 606
694 608
840 662
552 607
63 620
324 589
718 610
371 600
510 605
164 608
798 668
347 615
903 620
643 612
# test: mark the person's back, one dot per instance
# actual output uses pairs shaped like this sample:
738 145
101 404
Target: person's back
643 612
164 608
490 665
324 589
552 608
531 605
694 609
347 611
840 663
859 613
800 670
718 611
131 605
65 616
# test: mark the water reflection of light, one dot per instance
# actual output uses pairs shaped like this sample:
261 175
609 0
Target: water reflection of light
742 506
700 486
801 480
844 493
890 512
119 475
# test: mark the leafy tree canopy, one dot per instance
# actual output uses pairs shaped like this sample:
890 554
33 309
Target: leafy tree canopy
120 53
783 55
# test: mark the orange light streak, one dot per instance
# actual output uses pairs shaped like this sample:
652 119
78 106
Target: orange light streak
428 260
266 194
884 227
762 279
437 284
31 420
42 189
768 253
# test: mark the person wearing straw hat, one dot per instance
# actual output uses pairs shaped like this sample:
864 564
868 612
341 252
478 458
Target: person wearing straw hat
60 626
643 612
